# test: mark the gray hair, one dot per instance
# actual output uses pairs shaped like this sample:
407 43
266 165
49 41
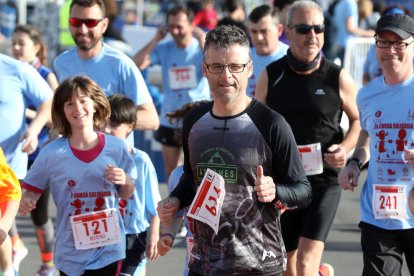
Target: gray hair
225 36
302 5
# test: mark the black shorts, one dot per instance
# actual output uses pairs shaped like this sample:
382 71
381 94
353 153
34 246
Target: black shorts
383 250
313 222
135 252
169 136
109 270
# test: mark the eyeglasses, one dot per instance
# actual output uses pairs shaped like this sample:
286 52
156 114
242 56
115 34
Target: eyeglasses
305 29
89 23
219 68
398 45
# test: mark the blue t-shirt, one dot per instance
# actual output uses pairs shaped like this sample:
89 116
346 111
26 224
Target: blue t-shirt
143 203
112 70
387 114
343 10
79 188
260 63
169 56
19 83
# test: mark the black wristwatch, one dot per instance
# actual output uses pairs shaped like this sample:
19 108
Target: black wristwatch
357 160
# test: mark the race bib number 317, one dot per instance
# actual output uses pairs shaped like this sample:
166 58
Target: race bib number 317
206 206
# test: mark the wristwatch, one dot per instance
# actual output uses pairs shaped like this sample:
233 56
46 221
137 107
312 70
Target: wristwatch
357 160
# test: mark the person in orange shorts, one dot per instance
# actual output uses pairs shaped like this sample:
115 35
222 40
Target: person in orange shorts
10 195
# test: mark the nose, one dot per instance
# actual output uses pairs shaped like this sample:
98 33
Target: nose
226 72
83 28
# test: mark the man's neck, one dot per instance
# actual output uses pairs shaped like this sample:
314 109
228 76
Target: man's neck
91 53
392 78
184 43
231 109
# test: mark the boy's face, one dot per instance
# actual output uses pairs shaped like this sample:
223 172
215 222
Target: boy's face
121 131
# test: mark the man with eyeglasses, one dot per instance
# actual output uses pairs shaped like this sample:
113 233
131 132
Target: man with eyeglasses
386 140
311 92
182 79
253 149
111 69
265 30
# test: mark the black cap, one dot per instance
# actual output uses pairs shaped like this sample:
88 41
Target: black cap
401 24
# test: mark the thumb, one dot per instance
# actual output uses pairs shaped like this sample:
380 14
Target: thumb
259 172
333 148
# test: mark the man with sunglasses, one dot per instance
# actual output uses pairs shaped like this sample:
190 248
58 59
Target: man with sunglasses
253 149
265 30
386 140
311 92
182 81
110 68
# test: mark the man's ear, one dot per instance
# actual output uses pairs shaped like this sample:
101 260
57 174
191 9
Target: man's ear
204 69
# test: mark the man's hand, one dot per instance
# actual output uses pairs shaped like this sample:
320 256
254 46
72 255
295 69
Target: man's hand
348 177
335 156
264 186
29 142
164 245
167 208
409 157
161 33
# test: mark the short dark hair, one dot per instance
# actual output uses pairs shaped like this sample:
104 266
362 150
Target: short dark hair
224 36
262 11
180 9
64 93
231 5
89 3
280 4
123 110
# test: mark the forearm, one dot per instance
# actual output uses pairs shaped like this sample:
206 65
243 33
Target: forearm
174 227
351 137
41 118
141 58
125 191
295 195
185 190
147 117
154 231
8 213
362 147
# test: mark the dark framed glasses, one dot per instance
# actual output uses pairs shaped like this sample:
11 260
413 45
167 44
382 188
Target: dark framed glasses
89 23
398 45
305 29
219 68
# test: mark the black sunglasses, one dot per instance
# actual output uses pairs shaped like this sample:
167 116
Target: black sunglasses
305 29
77 22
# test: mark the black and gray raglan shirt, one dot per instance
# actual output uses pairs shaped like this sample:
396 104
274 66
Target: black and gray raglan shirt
249 240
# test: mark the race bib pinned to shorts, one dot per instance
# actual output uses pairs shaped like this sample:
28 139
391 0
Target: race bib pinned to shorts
206 206
182 77
389 202
96 229
311 156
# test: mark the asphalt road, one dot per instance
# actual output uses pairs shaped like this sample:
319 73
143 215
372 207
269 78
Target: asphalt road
343 250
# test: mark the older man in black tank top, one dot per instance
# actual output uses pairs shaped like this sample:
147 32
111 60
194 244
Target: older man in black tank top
311 93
